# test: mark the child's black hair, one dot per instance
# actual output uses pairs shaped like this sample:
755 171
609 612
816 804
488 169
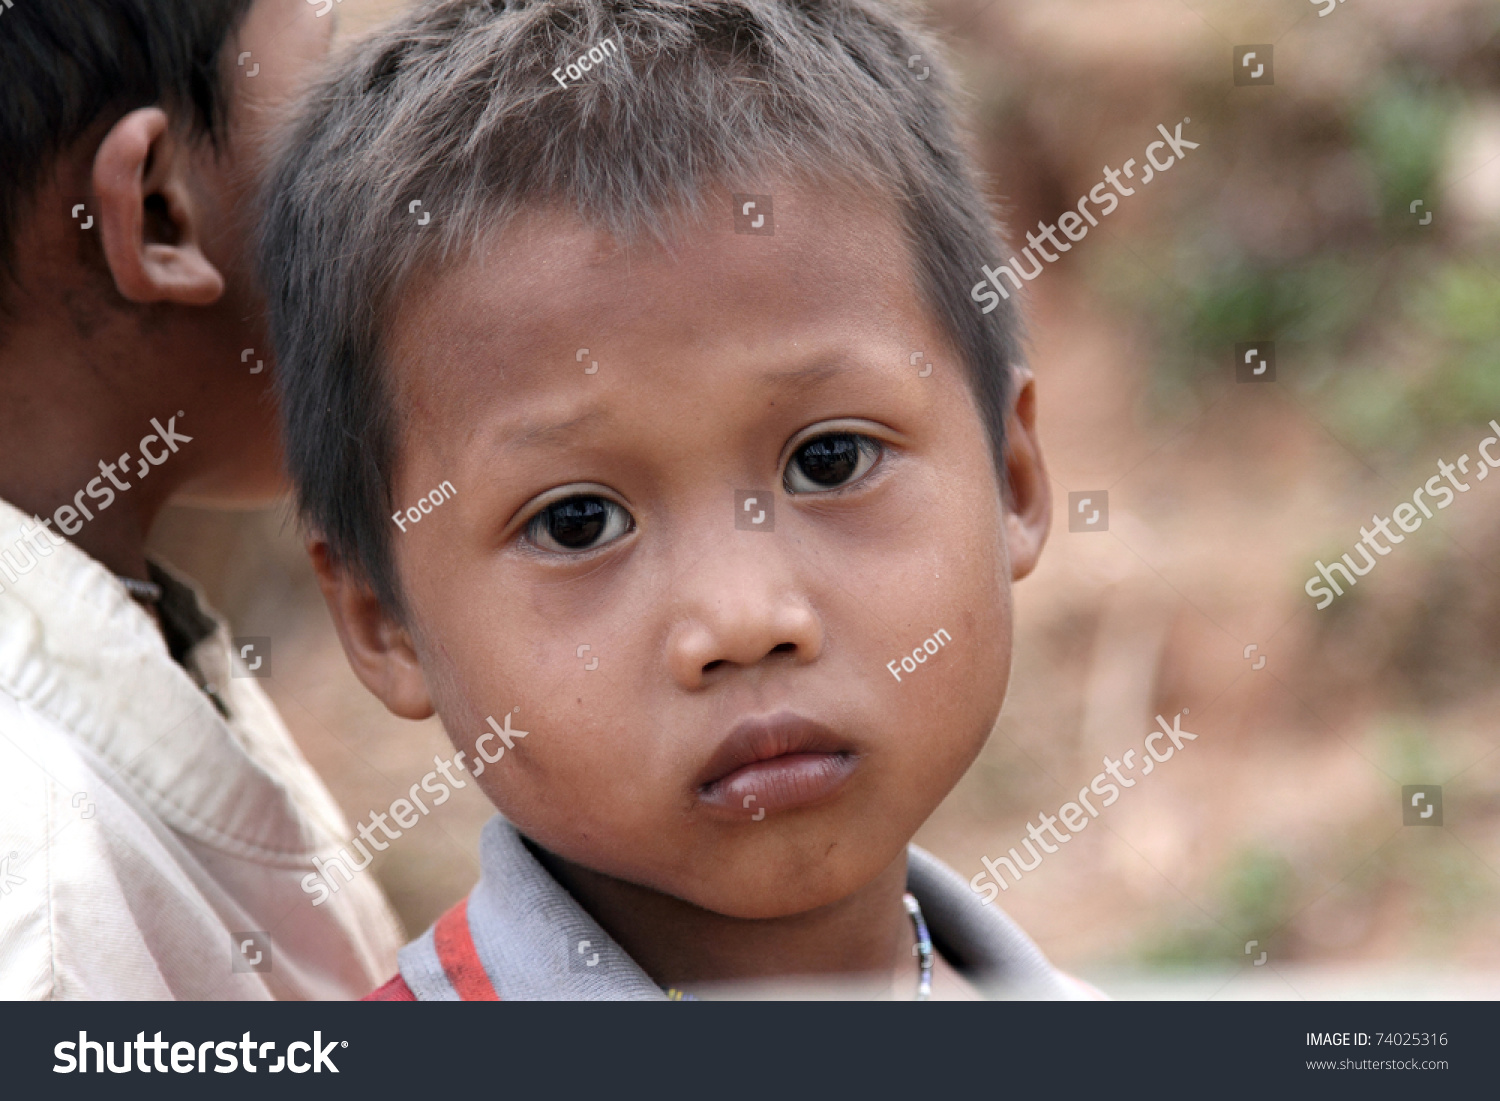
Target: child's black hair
70 65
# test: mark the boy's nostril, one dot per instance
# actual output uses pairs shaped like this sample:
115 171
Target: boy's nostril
712 666
785 648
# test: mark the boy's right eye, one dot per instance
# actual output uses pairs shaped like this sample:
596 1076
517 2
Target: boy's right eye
576 524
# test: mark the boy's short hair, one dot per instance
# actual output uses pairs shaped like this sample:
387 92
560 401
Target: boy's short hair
68 65
457 106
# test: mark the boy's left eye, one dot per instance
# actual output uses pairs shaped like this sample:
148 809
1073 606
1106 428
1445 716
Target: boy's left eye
579 523
830 462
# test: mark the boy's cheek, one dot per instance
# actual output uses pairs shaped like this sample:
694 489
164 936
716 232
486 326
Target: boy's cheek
944 681
570 774
947 708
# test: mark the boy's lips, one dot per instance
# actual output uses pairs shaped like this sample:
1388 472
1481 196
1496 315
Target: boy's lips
775 763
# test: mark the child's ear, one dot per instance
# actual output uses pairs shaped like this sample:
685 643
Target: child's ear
1028 496
379 648
151 219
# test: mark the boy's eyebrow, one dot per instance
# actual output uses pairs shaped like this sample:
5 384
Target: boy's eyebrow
549 433
804 378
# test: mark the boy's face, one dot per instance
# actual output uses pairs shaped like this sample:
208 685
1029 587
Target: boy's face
599 575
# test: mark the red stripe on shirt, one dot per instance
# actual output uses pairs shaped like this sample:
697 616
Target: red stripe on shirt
455 950
395 990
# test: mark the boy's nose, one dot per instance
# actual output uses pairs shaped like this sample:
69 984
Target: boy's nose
740 623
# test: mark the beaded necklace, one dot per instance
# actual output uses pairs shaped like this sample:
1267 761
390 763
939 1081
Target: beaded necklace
923 947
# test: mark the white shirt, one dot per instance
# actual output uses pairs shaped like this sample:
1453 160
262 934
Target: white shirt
150 847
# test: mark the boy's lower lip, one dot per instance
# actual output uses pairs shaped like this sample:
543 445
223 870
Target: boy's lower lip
761 788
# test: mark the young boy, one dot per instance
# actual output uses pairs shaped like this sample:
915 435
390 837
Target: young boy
635 394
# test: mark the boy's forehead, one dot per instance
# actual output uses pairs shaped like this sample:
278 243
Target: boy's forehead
549 286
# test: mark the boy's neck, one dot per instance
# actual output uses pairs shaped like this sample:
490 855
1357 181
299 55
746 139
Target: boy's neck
52 459
862 943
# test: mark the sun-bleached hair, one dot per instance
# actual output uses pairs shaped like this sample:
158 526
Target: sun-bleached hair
455 106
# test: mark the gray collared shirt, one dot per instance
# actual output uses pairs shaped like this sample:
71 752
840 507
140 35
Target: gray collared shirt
535 942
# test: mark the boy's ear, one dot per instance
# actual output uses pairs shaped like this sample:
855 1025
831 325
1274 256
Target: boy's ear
379 648
151 218
1028 497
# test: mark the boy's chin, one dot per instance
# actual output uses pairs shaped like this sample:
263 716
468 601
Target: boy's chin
767 889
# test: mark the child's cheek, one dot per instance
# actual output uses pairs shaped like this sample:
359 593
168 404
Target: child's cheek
574 773
964 684
597 796
953 674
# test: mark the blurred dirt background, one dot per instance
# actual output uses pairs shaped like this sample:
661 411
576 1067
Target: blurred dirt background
1291 223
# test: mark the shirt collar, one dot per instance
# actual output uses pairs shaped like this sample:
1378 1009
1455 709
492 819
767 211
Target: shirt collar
536 942
75 647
